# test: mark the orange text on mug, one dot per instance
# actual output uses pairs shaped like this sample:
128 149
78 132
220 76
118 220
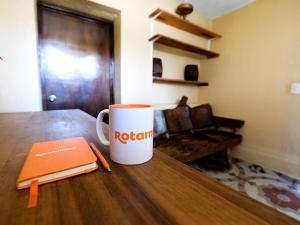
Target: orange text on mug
124 137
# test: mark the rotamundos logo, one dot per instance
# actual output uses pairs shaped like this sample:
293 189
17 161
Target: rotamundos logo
132 136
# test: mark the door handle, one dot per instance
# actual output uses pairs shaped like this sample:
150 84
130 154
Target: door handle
51 98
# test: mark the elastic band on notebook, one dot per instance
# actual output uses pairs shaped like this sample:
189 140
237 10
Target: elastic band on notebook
33 195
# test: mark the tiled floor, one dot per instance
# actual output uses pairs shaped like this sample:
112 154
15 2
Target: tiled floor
269 187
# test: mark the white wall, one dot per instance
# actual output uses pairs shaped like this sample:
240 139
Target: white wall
137 52
19 80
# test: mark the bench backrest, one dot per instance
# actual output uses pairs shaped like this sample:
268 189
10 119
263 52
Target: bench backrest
182 118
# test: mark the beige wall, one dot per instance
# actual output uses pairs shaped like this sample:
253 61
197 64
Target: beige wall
260 57
20 83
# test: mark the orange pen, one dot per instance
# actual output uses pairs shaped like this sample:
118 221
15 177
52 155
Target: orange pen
100 157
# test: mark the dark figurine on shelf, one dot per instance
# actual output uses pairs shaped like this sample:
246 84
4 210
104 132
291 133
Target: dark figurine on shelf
191 72
157 67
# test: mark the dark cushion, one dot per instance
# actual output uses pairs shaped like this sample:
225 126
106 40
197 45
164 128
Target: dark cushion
202 116
160 125
178 119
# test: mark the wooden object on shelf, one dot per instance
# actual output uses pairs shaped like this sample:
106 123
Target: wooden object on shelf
172 20
191 72
161 39
184 9
176 81
157 67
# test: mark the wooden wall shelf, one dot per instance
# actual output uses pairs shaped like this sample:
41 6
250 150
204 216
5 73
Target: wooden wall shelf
175 21
161 39
176 81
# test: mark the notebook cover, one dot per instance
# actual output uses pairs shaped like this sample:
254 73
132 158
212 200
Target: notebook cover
54 156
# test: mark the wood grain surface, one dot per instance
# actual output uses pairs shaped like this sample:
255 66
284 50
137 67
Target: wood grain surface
171 42
177 81
175 21
161 191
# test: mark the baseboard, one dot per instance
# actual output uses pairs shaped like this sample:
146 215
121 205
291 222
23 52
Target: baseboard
279 163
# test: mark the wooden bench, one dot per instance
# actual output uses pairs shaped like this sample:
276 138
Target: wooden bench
188 134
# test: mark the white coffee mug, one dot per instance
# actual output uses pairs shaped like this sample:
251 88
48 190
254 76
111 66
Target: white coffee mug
130 132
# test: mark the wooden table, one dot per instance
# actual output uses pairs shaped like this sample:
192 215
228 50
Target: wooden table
162 191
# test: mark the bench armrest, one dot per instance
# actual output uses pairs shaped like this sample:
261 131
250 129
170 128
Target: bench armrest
234 124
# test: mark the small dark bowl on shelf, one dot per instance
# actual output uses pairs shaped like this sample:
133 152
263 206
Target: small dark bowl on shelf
191 72
157 67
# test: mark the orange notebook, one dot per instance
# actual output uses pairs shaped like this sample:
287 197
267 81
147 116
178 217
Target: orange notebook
56 160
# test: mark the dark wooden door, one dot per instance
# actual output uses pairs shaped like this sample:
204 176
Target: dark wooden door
75 61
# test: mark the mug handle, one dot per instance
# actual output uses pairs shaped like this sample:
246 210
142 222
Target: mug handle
99 127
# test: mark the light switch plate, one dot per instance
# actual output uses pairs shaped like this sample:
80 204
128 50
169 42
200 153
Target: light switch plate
295 88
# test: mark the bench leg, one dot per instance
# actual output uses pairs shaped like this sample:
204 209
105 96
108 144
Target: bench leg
229 159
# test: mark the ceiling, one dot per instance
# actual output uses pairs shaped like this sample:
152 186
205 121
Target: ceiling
216 8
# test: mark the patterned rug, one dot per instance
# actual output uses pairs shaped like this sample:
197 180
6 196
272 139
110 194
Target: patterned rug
267 186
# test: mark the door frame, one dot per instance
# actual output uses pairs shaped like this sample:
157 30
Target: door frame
67 11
